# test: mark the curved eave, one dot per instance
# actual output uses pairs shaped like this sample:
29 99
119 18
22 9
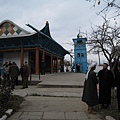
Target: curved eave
46 33
51 45
32 41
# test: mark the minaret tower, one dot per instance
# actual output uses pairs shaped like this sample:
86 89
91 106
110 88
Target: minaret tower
80 54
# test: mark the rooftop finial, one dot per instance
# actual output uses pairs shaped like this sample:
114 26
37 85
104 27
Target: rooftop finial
47 22
78 35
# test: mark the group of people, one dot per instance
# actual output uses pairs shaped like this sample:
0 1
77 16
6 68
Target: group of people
11 72
106 81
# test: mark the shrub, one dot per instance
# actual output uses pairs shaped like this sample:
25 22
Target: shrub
7 100
5 94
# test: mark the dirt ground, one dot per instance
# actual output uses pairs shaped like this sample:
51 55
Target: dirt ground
111 111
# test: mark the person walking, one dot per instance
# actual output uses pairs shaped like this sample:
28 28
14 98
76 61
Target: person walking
6 71
25 71
117 81
90 95
14 72
105 84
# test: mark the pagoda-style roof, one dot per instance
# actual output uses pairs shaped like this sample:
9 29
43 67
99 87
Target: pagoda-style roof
12 36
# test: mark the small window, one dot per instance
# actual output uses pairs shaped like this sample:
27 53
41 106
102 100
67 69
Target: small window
82 54
79 42
78 54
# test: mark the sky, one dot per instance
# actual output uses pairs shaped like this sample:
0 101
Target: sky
65 17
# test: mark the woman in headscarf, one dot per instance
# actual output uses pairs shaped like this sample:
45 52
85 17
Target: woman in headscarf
90 95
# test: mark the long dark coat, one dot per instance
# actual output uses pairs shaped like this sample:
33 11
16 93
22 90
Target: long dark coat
117 81
14 71
105 84
25 71
90 95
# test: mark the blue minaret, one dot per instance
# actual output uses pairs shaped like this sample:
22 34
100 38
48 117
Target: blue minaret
80 54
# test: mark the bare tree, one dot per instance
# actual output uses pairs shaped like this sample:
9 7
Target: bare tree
106 39
109 4
95 50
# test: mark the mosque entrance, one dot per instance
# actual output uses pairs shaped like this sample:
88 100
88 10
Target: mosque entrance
77 67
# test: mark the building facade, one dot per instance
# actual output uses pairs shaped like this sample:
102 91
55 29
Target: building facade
19 45
80 55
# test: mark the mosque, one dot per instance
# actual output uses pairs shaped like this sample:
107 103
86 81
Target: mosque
19 45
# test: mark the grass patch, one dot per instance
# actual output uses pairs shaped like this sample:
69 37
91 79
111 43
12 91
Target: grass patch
111 111
14 103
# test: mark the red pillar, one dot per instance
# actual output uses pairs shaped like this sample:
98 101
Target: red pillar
37 61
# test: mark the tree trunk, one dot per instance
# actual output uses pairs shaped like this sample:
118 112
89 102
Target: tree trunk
110 64
99 58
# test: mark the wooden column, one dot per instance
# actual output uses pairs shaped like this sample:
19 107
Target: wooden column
57 65
43 55
51 63
21 57
37 61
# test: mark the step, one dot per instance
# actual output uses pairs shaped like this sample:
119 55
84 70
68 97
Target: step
29 82
40 85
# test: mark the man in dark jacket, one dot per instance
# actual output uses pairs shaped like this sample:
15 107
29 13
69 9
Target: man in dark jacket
25 71
105 84
14 72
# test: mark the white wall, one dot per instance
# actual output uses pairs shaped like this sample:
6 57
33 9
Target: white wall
26 56
14 57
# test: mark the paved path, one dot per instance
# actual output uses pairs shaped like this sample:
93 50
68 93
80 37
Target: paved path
54 103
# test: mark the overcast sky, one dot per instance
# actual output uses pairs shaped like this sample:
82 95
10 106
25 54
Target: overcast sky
65 17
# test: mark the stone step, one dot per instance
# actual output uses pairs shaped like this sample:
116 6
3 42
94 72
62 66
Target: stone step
29 82
40 85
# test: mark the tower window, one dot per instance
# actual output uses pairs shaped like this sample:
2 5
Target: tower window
78 54
79 42
82 54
